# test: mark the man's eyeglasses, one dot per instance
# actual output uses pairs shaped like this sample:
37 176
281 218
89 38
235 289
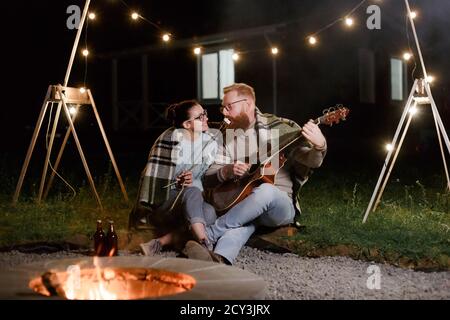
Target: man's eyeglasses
228 106
201 116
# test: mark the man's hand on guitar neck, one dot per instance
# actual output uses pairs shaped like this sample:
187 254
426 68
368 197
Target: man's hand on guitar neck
237 169
313 134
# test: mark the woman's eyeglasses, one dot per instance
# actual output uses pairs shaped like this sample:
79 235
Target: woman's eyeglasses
202 116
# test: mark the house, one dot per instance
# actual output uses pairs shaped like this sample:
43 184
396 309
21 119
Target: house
360 68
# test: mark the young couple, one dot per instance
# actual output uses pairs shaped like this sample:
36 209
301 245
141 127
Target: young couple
187 158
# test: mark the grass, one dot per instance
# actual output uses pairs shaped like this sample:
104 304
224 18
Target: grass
63 215
410 227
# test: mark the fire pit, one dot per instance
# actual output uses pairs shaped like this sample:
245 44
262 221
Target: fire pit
129 277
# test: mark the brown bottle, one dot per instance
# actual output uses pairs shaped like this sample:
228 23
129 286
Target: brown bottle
112 241
99 240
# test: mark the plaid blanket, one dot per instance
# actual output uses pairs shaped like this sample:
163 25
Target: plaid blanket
160 169
286 129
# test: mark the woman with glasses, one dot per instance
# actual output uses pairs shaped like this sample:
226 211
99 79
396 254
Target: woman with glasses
171 186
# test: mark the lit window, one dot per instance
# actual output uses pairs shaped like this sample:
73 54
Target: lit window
397 79
217 72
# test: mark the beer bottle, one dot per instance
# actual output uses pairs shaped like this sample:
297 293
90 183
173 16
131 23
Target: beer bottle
112 241
99 240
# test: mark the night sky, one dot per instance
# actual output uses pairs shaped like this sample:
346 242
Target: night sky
37 45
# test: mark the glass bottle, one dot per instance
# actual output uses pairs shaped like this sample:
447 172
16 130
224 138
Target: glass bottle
112 241
99 240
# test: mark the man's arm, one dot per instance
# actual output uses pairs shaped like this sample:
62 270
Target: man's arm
310 152
223 169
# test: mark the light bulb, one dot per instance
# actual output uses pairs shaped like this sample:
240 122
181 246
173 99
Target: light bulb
235 56
166 37
197 50
134 16
91 15
413 14
82 89
274 51
349 21
72 110
85 52
407 56
389 147
312 40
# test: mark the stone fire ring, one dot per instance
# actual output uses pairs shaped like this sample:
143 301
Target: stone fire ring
213 281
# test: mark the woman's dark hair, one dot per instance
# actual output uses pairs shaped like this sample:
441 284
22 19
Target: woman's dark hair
177 113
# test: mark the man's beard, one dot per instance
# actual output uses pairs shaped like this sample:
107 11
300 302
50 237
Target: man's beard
241 121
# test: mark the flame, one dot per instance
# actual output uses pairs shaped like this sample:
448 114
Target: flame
100 292
96 286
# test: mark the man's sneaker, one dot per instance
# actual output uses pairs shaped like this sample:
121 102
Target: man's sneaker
200 251
218 258
207 244
197 251
151 248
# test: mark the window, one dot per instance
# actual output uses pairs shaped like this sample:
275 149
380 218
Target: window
209 76
217 72
398 78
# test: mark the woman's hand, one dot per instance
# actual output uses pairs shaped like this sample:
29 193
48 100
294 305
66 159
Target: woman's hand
185 179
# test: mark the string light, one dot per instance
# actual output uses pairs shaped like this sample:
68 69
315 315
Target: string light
166 37
197 50
430 79
85 52
235 56
413 14
312 40
389 147
91 16
274 51
134 16
407 56
349 21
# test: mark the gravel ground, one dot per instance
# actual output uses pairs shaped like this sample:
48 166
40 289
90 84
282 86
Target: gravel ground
289 276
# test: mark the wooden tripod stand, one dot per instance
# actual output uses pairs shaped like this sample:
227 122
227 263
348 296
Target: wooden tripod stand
65 96
420 95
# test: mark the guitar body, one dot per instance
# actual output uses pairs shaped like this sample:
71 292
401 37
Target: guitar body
231 192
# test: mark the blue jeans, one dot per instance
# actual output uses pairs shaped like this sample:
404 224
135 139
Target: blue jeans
265 206
192 206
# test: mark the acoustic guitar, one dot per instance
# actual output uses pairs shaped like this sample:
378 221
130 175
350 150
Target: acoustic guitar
231 192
